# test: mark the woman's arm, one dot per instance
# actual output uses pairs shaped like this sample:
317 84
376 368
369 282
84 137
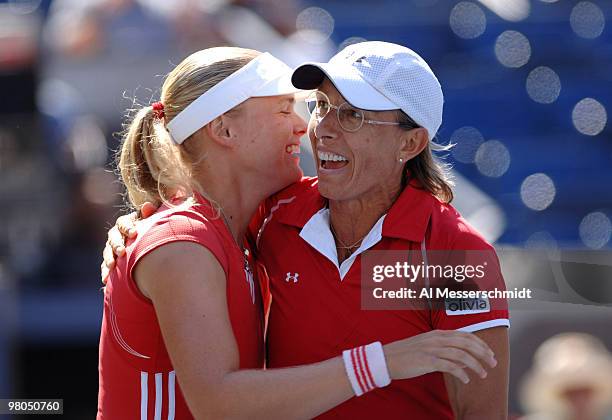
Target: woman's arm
484 398
187 287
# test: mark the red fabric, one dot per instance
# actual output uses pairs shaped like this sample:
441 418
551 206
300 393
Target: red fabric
319 316
130 323
367 366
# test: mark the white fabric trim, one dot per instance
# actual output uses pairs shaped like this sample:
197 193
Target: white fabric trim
501 322
171 395
269 217
158 395
318 234
350 372
366 368
263 76
362 367
378 364
372 238
117 333
144 395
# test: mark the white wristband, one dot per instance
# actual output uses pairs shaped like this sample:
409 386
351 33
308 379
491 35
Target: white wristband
378 364
366 368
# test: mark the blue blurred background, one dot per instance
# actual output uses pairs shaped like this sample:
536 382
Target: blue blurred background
528 88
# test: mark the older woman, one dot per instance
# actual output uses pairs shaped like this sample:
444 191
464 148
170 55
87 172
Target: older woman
374 114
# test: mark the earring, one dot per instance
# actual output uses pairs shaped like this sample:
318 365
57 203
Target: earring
401 160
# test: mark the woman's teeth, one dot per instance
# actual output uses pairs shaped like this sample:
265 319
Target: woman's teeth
330 157
293 149
330 160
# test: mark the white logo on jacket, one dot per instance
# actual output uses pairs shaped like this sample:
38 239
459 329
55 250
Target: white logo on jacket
467 306
292 277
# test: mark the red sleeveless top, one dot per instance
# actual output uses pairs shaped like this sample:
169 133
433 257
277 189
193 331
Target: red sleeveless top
136 377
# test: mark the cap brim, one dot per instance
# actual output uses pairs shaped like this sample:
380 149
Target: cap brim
347 80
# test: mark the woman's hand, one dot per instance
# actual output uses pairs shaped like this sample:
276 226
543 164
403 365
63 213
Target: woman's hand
124 229
451 352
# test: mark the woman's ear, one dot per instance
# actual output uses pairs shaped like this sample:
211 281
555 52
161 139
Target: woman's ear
413 142
221 131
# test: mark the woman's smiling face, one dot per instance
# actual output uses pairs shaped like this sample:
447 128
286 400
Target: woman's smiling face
352 164
268 131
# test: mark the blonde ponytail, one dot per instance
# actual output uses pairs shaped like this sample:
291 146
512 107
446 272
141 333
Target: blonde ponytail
150 164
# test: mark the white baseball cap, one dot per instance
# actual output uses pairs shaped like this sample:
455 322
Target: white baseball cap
380 76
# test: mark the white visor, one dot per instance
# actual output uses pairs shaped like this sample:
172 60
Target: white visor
263 76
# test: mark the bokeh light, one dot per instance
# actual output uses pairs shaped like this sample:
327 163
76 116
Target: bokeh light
58 98
492 158
595 230
24 7
587 20
543 85
541 240
25 234
315 25
100 187
544 241
467 20
350 41
467 140
589 117
86 145
512 49
538 191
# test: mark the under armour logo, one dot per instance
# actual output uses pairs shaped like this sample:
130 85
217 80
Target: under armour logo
293 277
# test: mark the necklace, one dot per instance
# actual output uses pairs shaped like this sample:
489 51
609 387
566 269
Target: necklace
344 246
248 273
243 250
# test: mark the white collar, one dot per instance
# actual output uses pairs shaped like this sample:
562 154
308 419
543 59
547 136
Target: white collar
318 234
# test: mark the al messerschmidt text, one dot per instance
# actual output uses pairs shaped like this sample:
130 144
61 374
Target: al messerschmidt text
431 293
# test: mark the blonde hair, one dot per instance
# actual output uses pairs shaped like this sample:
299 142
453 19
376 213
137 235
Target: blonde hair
152 167
433 174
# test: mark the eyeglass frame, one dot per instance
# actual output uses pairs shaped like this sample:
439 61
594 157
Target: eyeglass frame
337 108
